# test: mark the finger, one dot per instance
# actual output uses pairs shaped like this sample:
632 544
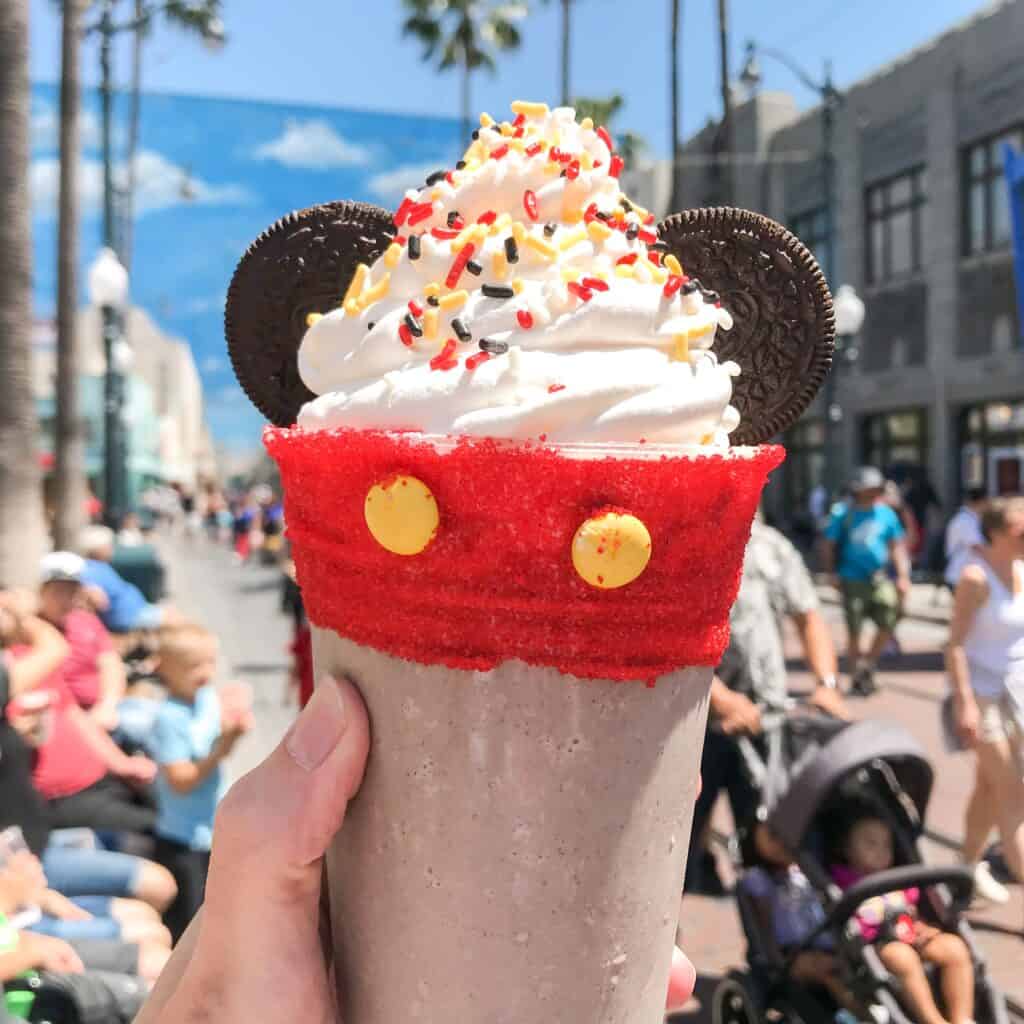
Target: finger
170 977
682 979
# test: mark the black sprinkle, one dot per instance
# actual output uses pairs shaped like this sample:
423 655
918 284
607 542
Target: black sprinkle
632 231
625 204
474 268
453 216
710 296
564 174
511 250
549 229
690 287
370 326
498 291
414 247
495 127
461 165
461 331
601 215
433 300
433 179
476 133
495 348
415 327
658 246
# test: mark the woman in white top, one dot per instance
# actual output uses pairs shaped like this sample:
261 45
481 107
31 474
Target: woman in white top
985 662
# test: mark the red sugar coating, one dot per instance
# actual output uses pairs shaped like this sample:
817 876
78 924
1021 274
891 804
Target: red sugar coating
497 154
497 582
476 359
530 203
615 167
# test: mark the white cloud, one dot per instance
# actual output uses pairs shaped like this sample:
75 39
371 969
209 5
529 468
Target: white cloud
392 184
46 130
212 364
313 145
159 184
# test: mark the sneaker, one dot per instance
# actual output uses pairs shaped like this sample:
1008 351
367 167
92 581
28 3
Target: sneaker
862 683
986 888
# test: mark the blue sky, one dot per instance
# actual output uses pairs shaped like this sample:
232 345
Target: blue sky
250 162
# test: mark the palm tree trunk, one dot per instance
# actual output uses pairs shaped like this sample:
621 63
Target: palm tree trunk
676 197
726 155
566 40
69 441
134 118
466 103
21 508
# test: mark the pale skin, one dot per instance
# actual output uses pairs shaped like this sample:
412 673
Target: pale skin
998 795
243 959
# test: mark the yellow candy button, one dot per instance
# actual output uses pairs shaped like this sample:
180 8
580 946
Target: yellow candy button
402 515
611 550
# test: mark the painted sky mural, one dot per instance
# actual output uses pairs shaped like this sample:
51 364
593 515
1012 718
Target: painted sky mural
211 174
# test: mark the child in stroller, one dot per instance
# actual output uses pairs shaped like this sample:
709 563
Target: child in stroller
808 831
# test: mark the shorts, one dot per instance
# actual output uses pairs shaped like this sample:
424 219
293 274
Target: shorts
150 616
875 600
1000 724
107 955
77 872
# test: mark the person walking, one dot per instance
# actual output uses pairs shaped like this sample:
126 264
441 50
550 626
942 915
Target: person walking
963 535
865 546
985 663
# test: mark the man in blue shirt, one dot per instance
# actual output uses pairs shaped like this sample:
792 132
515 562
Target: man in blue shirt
865 547
120 605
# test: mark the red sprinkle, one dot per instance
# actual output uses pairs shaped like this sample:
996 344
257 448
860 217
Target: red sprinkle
557 154
402 212
577 289
615 167
655 257
448 364
602 134
445 233
444 356
572 172
542 437
648 237
519 121
530 203
518 133
525 318
401 239
450 177
497 154
649 219
405 335
598 163
419 212
590 213
487 217
465 253
595 284
458 223
553 388
534 148
672 285
475 360
415 308
630 257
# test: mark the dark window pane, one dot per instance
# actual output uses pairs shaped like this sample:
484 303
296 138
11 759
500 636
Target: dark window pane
921 183
904 426
974 422
904 453
901 243
875 199
877 250
977 160
899 191
815 432
1000 211
976 218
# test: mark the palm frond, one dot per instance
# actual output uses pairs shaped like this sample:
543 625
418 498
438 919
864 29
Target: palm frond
506 36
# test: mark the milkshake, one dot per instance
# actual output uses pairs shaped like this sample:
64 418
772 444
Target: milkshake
518 525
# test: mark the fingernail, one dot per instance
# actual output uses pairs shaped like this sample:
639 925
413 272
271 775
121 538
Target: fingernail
319 728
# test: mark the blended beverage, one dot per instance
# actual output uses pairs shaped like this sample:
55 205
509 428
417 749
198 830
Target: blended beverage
518 525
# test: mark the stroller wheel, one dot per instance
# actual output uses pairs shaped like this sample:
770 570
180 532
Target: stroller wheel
735 1000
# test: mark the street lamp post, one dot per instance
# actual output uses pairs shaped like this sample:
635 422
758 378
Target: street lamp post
108 289
849 311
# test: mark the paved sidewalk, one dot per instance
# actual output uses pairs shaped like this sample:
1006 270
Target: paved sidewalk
927 602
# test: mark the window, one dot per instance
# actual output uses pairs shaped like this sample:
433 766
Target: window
805 464
811 228
893 439
894 212
986 208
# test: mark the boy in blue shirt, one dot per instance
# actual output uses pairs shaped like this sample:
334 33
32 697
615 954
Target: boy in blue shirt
865 538
195 731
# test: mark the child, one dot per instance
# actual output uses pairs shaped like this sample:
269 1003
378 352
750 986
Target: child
892 923
194 731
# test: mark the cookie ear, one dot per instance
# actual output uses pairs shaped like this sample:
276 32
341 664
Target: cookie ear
783 334
302 264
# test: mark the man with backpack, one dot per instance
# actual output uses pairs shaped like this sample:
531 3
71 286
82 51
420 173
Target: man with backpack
866 549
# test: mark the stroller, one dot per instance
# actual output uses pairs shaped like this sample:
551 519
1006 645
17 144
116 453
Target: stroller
869 759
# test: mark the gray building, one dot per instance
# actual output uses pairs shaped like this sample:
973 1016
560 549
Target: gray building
923 233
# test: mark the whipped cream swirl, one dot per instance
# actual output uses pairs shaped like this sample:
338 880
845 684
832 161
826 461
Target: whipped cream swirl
524 296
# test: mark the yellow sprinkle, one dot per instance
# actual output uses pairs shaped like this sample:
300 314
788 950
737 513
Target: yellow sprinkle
541 246
392 255
570 273
356 285
506 128
673 265
351 307
435 195
552 168
430 322
503 221
623 270
598 231
573 238
586 161
528 109
572 214
640 211
517 145
467 234
454 300
707 439
378 291
587 124
519 232
660 275
651 268
517 285
682 347
311 318
432 289
486 120
499 264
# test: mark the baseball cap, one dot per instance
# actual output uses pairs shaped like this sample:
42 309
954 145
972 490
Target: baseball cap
867 478
65 566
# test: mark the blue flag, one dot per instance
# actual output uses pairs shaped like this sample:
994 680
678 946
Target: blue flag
1013 164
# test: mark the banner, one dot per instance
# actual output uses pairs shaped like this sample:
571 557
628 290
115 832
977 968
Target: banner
1013 165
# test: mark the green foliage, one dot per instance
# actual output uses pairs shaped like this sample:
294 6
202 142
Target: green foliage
630 145
463 33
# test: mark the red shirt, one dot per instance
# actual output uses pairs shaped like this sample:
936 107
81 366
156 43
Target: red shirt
88 639
66 764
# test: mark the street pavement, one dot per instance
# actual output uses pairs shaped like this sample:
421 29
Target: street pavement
241 605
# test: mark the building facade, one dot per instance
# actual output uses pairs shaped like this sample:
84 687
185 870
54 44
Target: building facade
933 388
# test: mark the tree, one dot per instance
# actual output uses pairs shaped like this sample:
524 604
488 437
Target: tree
629 145
463 34
69 487
566 40
21 509
676 194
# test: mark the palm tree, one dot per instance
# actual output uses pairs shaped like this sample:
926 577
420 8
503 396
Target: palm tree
566 39
463 34
21 508
629 144
69 488
676 197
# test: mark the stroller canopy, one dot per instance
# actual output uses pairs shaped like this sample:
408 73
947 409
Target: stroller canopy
857 746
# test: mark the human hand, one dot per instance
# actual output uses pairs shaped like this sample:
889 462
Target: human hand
22 882
740 715
96 597
57 905
903 588
105 716
136 768
968 720
49 954
829 700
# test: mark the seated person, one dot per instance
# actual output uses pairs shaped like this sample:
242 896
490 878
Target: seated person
863 847
120 605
